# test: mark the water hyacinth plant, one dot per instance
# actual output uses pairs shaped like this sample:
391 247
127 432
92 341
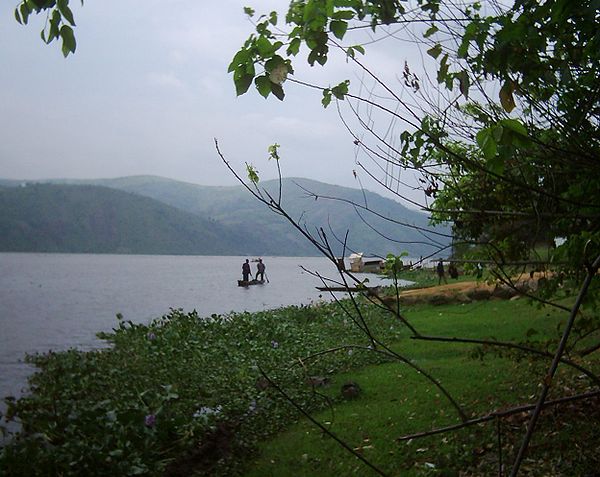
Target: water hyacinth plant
165 392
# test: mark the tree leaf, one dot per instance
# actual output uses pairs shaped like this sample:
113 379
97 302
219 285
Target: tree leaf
263 85
252 173
359 48
506 96
495 164
515 125
485 141
464 83
53 31
241 57
442 75
341 90
274 151
463 49
435 51
294 46
265 47
338 28
25 11
430 31
63 6
68 40
273 18
277 90
242 83
497 131
326 97
343 15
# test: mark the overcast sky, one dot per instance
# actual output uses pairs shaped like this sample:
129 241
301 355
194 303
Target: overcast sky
147 91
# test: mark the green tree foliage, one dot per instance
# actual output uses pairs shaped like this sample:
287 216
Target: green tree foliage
539 168
59 21
512 159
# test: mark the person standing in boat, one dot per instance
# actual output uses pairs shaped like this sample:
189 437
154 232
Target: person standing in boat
260 269
246 270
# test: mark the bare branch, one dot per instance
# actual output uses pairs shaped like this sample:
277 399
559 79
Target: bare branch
498 414
593 269
319 425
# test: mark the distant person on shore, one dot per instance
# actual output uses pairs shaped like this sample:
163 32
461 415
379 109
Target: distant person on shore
479 270
246 270
260 269
452 271
441 273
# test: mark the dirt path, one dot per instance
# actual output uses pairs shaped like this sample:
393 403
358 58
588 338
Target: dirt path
462 292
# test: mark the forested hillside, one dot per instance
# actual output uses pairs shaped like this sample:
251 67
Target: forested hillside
232 212
85 219
234 206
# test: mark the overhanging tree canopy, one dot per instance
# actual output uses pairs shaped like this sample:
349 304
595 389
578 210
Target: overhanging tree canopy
511 155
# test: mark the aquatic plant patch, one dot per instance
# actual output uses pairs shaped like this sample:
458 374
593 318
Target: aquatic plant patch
183 391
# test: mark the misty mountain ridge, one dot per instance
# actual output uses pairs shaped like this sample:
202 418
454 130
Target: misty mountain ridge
198 216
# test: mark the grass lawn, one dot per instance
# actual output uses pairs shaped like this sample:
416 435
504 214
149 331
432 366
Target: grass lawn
185 395
396 401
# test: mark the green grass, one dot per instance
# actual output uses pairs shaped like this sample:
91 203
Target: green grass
184 394
397 401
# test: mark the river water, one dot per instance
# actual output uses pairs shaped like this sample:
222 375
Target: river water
60 301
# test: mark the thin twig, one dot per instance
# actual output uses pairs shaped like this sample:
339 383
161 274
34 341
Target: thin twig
496 414
504 344
592 269
319 425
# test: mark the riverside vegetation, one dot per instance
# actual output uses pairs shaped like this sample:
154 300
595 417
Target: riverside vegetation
181 382
186 395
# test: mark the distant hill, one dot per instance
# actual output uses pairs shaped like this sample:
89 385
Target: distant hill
261 232
84 219
234 206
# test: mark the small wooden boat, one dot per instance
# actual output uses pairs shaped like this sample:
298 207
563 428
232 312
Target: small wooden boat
245 283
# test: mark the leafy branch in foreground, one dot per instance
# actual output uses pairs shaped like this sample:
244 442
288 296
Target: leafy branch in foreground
59 21
395 266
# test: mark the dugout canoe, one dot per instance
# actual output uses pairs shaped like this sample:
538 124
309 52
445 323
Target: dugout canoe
245 283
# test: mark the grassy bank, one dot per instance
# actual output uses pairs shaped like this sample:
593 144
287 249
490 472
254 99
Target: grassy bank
186 395
396 401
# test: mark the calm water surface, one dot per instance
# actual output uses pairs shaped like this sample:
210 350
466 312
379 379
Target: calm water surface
60 301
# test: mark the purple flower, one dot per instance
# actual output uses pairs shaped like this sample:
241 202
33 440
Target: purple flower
274 344
151 336
206 412
150 420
